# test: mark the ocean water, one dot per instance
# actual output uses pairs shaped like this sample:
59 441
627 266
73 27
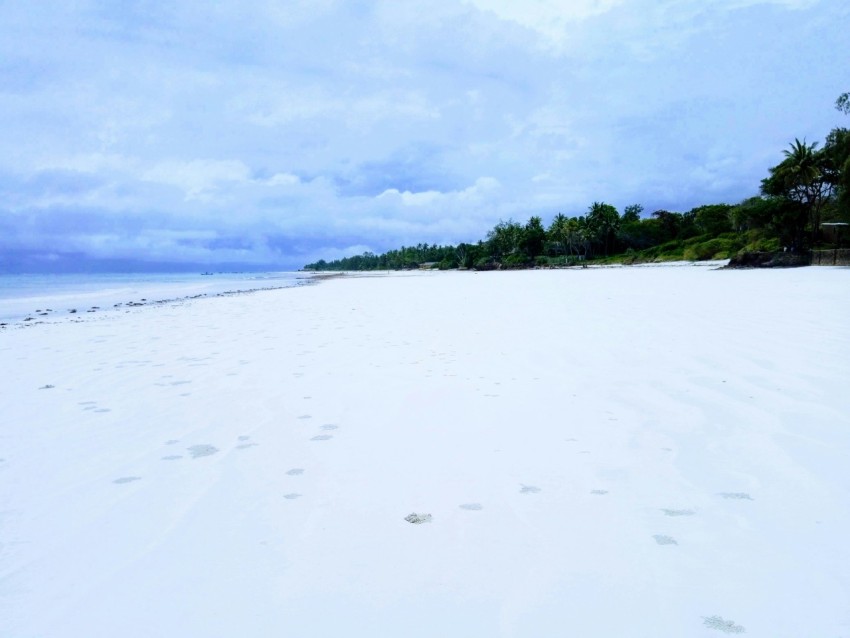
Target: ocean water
23 296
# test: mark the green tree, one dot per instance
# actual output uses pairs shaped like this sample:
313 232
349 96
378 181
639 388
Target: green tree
533 236
754 213
843 103
557 233
713 219
837 166
669 225
636 233
505 239
578 237
603 221
463 253
631 214
802 177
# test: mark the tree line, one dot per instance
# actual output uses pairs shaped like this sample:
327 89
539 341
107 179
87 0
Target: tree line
809 186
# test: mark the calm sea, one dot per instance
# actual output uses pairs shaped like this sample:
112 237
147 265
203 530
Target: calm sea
22 295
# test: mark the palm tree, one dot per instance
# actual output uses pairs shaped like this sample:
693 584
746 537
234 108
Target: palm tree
558 231
801 177
843 103
604 221
577 236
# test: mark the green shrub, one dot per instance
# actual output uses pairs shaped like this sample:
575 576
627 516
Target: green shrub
669 251
763 244
485 263
722 247
517 260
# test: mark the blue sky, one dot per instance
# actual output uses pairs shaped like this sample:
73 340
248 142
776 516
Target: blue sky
269 134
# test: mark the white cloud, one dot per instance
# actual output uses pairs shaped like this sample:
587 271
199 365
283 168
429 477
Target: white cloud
283 179
407 198
197 178
438 202
549 18
92 163
288 106
647 25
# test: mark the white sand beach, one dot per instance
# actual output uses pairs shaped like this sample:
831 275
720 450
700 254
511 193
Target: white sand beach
629 452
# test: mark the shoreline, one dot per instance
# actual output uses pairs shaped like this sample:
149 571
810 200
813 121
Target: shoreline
309 278
75 315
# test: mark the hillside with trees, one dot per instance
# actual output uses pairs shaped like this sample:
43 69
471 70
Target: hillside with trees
809 186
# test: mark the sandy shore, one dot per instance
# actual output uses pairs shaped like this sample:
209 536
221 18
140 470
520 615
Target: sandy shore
614 452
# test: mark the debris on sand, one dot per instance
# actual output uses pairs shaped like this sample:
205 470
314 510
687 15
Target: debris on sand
726 626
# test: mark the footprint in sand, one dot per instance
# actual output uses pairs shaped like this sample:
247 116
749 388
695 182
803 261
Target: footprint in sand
418 519
721 624
291 497
197 451
740 496
661 539
127 479
528 489
678 512
471 507
246 443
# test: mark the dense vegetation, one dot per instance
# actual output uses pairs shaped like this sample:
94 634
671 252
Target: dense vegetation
811 185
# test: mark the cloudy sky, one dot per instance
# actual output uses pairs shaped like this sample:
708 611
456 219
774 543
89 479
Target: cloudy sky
270 133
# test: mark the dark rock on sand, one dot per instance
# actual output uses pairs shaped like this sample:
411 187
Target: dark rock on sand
770 260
